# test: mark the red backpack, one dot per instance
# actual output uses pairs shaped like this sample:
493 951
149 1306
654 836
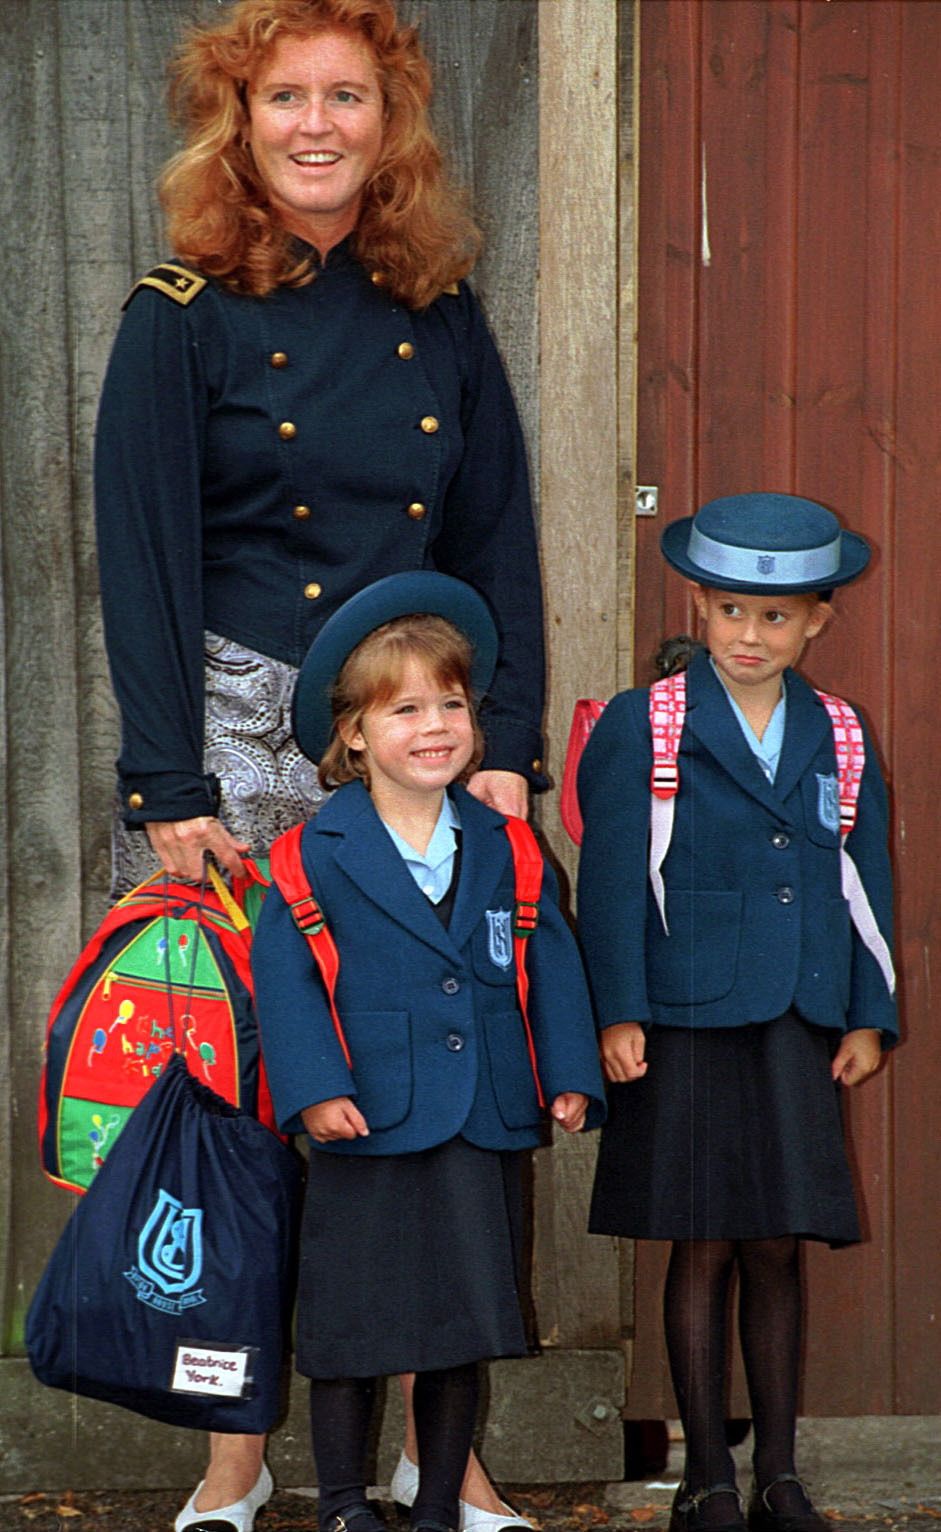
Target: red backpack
168 971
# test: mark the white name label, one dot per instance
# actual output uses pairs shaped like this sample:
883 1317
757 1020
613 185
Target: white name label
217 1371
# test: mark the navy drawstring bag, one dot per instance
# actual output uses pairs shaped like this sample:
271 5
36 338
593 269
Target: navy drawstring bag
170 1289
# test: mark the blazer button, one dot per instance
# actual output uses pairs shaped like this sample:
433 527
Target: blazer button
417 510
278 358
450 985
785 895
455 1042
287 430
429 425
780 841
405 350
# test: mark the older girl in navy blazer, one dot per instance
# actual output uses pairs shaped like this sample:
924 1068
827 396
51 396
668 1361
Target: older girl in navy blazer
412 1220
737 998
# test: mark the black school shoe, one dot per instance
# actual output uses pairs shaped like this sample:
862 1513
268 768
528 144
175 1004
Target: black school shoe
762 1516
686 1513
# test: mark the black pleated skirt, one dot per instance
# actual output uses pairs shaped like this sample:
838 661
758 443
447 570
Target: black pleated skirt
410 1262
733 1133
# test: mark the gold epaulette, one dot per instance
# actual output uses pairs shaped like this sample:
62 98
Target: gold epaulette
173 281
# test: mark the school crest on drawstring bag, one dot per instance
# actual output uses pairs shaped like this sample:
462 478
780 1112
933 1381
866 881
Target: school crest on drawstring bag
837 797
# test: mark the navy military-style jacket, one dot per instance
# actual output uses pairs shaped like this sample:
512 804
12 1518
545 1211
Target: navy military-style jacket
756 914
259 460
430 1014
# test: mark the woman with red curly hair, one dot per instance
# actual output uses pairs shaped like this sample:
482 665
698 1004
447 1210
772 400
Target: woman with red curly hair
303 399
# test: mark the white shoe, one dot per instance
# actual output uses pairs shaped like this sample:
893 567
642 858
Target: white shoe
471 1518
239 1517
404 1486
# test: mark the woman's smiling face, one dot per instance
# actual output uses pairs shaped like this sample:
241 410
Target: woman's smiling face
316 127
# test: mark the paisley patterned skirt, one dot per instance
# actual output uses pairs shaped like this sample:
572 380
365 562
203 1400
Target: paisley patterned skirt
267 784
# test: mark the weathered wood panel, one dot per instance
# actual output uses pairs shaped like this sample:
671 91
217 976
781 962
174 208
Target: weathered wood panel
577 1298
84 133
789 320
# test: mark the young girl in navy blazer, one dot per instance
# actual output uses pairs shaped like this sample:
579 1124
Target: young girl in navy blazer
741 977
412 1225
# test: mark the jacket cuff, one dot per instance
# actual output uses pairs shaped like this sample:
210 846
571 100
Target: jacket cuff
167 795
513 745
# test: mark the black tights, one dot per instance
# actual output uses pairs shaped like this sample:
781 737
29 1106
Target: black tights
695 1317
341 1410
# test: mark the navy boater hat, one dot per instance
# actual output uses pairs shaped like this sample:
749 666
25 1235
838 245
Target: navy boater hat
764 544
422 591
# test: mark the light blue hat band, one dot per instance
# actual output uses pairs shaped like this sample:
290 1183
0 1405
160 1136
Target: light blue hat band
772 567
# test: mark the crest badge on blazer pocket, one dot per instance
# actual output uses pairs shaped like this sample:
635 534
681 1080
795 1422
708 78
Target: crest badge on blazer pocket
500 937
828 801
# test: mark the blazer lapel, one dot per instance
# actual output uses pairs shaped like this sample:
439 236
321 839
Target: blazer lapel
363 849
806 727
710 717
483 858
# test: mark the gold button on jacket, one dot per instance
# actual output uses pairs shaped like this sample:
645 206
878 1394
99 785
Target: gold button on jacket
416 510
135 801
301 512
429 425
313 590
287 430
405 350
278 358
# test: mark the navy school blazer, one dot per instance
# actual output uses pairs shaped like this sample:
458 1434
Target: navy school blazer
430 1014
757 919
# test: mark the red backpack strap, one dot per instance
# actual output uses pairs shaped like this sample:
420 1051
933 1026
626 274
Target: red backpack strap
287 871
527 875
850 750
584 717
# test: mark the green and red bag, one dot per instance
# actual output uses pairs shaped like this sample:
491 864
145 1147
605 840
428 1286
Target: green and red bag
167 971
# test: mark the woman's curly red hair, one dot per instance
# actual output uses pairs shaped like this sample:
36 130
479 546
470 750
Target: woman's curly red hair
413 226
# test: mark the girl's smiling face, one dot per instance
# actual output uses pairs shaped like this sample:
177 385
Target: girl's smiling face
752 638
418 741
316 127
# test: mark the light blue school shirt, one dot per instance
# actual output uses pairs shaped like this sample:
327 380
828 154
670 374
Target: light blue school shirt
434 869
767 751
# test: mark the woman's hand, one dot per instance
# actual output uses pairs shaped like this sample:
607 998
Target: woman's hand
858 1056
569 1110
505 791
333 1119
622 1051
181 843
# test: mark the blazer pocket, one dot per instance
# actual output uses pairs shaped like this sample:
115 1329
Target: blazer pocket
380 1044
511 1073
697 962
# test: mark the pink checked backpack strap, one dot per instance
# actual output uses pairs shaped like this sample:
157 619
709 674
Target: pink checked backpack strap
667 711
527 875
850 747
287 871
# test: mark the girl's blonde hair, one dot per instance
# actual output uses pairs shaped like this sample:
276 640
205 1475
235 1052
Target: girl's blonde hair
373 673
414 227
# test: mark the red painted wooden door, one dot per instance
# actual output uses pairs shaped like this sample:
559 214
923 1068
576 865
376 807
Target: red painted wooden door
789 294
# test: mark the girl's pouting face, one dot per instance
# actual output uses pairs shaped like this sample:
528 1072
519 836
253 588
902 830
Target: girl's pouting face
417 741
753 639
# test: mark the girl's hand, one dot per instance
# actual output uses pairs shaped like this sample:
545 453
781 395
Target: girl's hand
569 1110
622 1051
181 843
858 1056
333 1119
505 791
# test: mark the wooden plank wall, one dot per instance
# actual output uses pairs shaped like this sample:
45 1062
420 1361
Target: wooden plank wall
789 321
83 135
